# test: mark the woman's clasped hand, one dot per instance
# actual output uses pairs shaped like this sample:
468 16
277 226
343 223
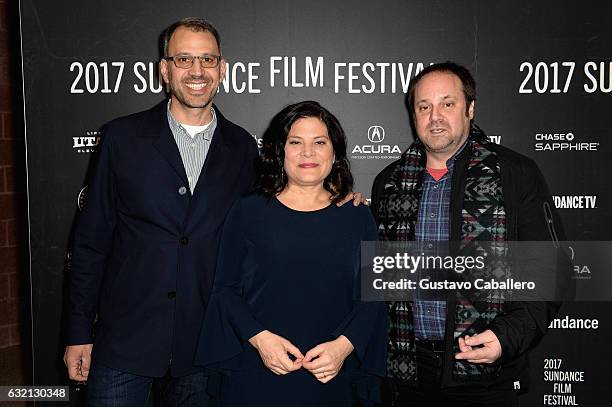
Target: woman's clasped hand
279 355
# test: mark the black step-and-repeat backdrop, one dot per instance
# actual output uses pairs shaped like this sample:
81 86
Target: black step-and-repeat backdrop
544 74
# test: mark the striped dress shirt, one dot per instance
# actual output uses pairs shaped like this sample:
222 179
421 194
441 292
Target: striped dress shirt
194 149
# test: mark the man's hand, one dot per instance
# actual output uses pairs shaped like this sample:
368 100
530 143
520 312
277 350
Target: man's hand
356 197
273 350
78 359
324 361
480 348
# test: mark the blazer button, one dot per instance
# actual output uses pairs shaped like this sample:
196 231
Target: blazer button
172 294
184 240
182 191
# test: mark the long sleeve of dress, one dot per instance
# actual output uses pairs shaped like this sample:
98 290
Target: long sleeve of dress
229 323
366 326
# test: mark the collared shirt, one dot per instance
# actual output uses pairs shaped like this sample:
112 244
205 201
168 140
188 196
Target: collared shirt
433 224
194 149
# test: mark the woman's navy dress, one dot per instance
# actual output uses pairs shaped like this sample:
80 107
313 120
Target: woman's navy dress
297 275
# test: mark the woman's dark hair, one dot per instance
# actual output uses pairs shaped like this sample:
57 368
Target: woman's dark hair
270 175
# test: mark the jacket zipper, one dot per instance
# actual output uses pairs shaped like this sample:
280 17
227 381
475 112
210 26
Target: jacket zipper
550 223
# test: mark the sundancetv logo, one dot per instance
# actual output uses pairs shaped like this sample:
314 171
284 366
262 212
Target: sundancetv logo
376 149
575 201
495 138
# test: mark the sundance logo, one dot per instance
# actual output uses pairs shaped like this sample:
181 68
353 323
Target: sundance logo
376 150
574 323
88 143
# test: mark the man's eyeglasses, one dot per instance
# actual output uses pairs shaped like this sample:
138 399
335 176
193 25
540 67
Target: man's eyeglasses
186 61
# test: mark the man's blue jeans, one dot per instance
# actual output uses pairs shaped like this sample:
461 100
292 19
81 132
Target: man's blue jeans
108 387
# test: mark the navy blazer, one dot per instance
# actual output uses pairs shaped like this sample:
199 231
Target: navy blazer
145 249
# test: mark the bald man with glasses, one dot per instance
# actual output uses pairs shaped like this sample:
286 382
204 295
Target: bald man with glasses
146 243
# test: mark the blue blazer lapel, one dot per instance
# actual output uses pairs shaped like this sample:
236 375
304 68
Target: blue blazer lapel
164 142
217 159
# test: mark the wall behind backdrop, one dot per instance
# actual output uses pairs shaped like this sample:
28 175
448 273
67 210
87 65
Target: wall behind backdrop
544 75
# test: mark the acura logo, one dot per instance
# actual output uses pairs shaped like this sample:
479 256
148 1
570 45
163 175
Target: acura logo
376 134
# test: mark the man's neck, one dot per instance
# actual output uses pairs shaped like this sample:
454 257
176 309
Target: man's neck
437 161
191 116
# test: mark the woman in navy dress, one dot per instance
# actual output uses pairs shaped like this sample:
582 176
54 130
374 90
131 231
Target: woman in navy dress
285 325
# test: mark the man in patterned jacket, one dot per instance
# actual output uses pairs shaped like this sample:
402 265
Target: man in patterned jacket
452 184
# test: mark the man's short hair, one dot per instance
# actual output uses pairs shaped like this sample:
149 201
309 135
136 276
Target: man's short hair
196 24
464 75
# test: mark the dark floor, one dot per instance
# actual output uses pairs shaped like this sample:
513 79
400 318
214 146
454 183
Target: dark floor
13 371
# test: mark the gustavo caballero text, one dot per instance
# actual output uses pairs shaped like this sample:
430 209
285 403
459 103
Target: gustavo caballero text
428 284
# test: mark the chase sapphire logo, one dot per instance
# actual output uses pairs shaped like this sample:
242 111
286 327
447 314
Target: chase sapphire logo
376 134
